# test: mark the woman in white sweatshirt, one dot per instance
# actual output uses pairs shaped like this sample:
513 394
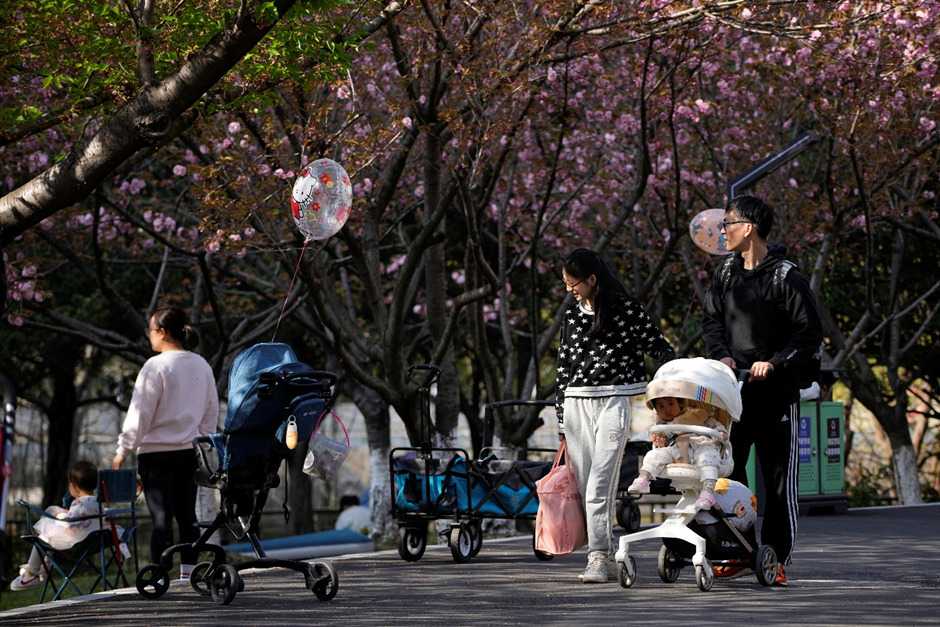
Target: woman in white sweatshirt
174 401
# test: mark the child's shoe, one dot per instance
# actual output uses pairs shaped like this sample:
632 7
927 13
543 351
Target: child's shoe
640 485
705 500
25 580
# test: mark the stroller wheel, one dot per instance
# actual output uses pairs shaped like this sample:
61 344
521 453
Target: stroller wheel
704 576
765 564
323 580
412 542
198 579
152 581
667 565
629 516
224 584
626 573
541 555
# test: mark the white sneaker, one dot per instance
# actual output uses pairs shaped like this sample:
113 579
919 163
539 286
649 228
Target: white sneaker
25 580
596 571
612 568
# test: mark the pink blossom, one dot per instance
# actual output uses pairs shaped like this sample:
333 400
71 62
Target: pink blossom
406 121
927 125
179 170
213 246
16 321
136 186
343 92
234 127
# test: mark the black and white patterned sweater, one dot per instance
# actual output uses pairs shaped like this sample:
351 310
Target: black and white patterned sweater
610 362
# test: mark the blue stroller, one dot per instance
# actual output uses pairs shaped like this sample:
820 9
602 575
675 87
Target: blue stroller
269 390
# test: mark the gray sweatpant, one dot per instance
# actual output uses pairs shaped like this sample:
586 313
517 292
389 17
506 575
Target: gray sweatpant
595 430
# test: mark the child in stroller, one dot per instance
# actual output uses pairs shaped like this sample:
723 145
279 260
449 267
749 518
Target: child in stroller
704 451
270 394
697 533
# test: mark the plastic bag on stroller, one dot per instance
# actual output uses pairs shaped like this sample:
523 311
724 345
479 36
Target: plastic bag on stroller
324 454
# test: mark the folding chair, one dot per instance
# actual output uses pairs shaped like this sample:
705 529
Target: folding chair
100 549
117 501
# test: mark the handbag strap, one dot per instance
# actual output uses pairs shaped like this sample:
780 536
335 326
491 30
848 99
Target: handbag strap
562 454
325 412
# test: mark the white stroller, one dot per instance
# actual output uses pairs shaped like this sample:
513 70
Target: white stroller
710 385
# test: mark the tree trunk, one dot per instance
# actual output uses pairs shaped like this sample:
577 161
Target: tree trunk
61 414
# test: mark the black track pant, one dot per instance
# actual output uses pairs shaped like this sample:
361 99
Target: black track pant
772 428
170 492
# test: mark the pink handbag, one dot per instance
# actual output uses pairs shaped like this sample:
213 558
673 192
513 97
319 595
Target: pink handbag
559 525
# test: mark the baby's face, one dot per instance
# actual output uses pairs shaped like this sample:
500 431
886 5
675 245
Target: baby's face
667 408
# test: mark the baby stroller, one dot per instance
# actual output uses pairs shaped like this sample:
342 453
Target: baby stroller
691 536
268 388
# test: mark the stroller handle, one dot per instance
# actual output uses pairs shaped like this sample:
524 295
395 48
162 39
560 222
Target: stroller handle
310 377
201 451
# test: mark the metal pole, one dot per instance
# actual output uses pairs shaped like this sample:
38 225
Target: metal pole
771 163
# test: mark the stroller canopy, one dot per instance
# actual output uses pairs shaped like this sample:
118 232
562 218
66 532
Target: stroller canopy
697 379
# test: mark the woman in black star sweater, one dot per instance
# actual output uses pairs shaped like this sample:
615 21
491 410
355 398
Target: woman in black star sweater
604 336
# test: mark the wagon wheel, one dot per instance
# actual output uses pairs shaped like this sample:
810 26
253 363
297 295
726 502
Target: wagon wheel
461 543
476 537
412 542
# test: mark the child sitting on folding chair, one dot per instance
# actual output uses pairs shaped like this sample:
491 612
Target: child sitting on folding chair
64 531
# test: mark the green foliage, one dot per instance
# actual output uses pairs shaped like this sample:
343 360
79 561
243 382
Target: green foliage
872 487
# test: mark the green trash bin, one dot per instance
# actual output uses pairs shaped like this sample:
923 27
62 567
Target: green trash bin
821 456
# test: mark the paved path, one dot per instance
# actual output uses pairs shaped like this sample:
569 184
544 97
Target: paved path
878 566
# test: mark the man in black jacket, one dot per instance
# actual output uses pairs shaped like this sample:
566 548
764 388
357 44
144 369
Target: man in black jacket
760 314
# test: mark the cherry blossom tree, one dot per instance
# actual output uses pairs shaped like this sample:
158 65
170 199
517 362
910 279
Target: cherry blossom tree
486 139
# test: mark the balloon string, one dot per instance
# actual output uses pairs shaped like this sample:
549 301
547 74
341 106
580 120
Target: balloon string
691 302
286 298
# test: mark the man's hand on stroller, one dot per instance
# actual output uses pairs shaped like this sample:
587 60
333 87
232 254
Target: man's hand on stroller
760 370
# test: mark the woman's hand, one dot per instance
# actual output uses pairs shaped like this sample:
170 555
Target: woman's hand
118 462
